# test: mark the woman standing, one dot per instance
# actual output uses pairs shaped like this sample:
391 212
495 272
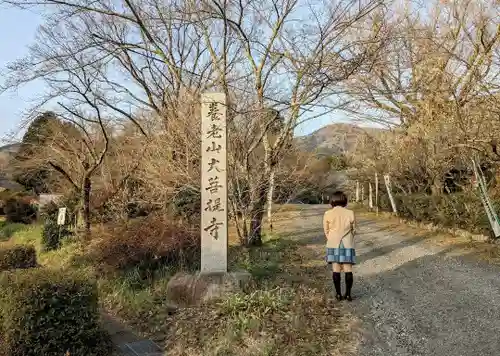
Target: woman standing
339 226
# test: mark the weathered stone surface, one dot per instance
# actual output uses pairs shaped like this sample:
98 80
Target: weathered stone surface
191 289
213 183
141 348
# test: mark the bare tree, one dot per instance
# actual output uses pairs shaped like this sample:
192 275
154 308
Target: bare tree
151 53
445 54
433 79
291 68
77 149
148 56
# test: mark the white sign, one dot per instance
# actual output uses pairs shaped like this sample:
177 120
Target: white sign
213 183
61 216
388 187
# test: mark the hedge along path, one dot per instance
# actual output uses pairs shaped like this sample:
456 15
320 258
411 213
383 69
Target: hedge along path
421 292
21 253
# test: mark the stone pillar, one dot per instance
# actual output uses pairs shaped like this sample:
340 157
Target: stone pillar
213 183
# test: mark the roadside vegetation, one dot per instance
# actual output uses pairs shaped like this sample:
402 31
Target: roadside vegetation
286 310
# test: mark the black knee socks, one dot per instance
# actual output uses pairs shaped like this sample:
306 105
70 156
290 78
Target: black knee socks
336 282
349 280
348 283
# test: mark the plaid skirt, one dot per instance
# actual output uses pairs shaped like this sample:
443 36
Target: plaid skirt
341 255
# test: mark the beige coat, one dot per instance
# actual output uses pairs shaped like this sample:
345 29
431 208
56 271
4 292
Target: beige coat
339 224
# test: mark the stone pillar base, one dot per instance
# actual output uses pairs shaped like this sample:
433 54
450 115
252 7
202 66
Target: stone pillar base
186 289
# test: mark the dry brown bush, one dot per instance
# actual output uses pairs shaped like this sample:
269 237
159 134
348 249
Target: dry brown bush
145 243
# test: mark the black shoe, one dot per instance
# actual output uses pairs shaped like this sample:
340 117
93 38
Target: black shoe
348 298
338 297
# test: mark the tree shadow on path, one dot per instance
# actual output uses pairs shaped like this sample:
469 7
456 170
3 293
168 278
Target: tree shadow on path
387 249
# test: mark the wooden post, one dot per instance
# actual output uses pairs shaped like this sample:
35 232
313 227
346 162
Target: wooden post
389 191
370 196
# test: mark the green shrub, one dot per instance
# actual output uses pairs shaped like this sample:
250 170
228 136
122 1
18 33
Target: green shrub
17 256
384 203
18 209
47 312
419 207
52 233
186 204
458 210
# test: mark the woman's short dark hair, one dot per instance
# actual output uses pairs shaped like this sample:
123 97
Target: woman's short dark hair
338 199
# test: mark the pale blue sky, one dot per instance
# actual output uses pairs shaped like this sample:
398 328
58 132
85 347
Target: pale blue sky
17 31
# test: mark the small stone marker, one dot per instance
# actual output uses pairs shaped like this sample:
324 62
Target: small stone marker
213 183
61 216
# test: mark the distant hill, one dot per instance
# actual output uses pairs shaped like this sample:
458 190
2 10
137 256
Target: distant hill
334 139
330 139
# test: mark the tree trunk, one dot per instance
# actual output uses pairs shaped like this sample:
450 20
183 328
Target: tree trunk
437 187
270 200
254 237
256 217
87 186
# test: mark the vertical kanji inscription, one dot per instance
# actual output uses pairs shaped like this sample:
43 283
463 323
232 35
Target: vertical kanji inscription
213 183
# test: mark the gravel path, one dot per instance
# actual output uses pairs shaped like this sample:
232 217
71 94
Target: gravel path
414 298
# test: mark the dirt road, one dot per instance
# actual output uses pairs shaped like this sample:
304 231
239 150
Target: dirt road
414 297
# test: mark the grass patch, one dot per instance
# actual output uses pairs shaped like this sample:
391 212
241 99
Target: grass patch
28 235
130 296
273 321
7 230
287 312
263 262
